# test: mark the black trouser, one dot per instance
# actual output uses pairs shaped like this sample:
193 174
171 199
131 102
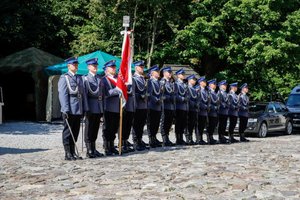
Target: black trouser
127 124
212 123
232 124
181 121
74 122
166 122
154 120
243 124
140 117
192 116
222 124
201 125
110 126
92 123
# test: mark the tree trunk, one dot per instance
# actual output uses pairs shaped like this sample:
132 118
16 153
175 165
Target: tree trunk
133 26
154 27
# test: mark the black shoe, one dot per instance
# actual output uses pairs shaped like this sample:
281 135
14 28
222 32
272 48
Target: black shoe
202 142
77 157
107 149
90 151
129 144
113 149
167 142
243 139
138 145
232 140
157 142
68 154
223 140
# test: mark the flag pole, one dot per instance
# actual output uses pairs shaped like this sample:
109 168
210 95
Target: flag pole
121 126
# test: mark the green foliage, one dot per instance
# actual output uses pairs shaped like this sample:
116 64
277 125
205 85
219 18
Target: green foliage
254 41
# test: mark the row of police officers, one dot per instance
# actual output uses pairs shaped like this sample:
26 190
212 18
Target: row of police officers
193 104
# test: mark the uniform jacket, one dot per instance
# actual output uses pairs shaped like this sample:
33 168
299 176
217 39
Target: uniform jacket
203 101
233 104
111 99
243 105
193 99
93 93
139 88
213 103
181 96
223 104
154 95
168 94
71 98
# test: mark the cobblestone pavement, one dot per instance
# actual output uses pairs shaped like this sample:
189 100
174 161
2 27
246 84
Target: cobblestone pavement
32 167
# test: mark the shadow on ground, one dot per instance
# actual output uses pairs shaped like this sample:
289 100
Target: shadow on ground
8 150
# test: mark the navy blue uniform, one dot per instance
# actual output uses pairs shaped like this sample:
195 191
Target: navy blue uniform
111 104
212 114
202 113
93 94
140 115
223 115
232 113
155 108
168 109
243 114
73 105
181 110
192 113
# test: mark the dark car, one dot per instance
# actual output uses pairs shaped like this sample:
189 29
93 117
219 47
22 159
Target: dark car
268 117
293 104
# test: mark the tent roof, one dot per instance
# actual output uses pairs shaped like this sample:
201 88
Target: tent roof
28 59
82 67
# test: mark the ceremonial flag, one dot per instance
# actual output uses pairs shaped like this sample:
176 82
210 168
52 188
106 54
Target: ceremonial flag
125 75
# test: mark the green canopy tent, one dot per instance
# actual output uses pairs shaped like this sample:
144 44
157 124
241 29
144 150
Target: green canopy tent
103 57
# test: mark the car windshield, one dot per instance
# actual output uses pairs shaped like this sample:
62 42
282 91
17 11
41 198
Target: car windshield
257 108
293 100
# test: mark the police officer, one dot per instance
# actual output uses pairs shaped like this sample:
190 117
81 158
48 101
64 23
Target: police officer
243 111
213 101
140 115
223 111
233 111
92 91
203 108
73 105
168 105
192 112
111 107
181 107
154 105
128 115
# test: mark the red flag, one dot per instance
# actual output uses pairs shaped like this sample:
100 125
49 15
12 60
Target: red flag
125 76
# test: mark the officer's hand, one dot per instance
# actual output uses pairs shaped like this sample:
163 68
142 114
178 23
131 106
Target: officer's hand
65 115
142 96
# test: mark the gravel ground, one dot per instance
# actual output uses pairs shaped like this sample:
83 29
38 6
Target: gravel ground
32 167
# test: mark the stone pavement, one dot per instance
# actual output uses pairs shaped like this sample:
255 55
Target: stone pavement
32 167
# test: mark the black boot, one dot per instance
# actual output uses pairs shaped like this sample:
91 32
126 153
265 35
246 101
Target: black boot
96 153
152 142
68 154
157 142
89 151
167 142
138 145
77 157
232 139
201 141
188 140
107 149
124 147
178 140
223 139
211 140
113 149
242 138
144 144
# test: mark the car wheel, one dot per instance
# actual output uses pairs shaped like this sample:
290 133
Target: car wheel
263 130
289 128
